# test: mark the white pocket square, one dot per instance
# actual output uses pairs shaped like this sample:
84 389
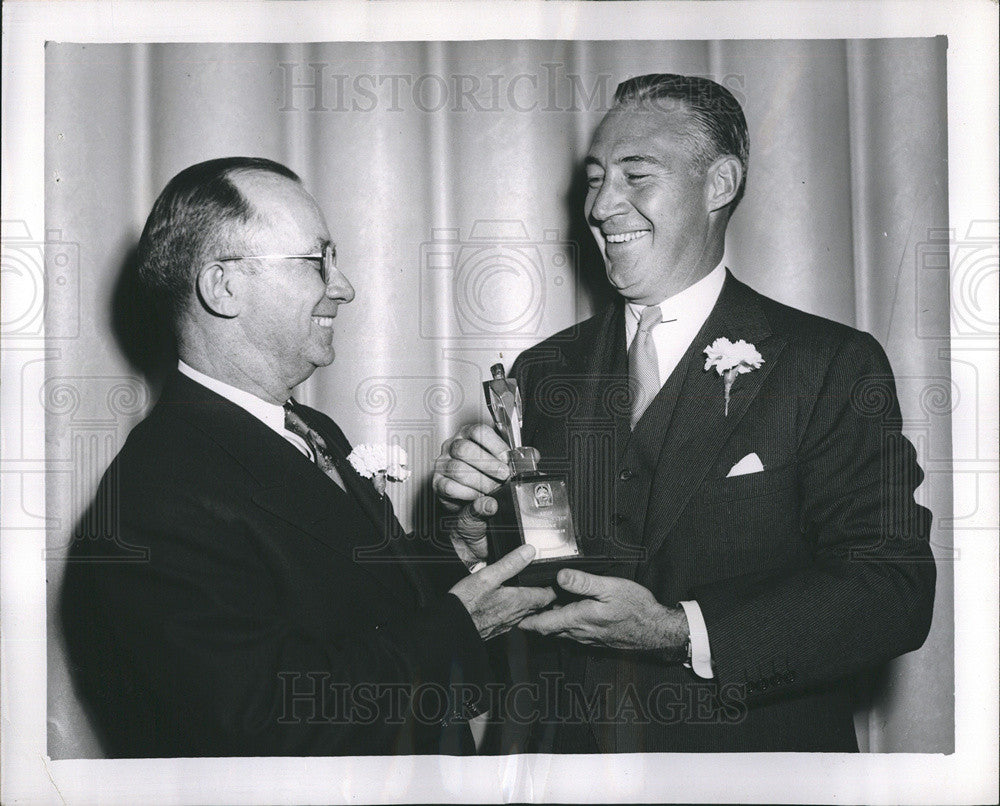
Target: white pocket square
748 464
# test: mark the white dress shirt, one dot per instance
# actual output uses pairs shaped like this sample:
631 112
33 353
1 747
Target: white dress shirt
684 314
268 413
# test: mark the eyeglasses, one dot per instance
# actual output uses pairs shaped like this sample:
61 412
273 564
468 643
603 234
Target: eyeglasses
327 260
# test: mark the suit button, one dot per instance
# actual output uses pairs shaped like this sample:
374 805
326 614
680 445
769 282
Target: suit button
625 474
380 625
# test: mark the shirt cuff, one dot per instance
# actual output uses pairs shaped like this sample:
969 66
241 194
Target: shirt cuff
701 652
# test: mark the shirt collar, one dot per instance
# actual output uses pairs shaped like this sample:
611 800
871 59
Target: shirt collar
270 414
693 303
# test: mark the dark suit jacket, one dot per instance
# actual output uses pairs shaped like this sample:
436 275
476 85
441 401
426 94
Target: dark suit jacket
807 573
237 602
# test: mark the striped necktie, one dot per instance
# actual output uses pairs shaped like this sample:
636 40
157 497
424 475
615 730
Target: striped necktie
324 459
643 365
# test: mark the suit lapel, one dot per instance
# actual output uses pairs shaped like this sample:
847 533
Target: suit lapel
699 427
290 487
362 490
605 390
378 509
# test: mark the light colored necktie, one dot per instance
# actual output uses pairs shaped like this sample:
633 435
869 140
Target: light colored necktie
643 365
324 459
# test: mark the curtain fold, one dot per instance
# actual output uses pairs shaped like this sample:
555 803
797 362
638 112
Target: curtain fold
899 181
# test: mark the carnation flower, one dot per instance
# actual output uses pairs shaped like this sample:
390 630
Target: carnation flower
379 463
730 360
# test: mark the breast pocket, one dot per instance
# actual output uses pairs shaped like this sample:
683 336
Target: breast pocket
750 485
748 523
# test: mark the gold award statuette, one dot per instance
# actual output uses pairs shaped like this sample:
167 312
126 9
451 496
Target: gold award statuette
533 507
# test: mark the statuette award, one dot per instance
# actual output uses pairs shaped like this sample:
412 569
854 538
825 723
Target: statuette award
533 506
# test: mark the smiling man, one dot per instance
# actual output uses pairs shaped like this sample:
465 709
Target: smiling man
727 452
227 613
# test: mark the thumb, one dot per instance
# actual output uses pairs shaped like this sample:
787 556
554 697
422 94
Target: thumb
508 565
472 519
582 583
483 508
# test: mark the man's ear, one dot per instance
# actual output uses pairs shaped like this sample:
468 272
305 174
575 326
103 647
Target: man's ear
722 182
219 289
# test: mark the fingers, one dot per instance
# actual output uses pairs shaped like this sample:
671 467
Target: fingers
584 584
507 566
556 620
484 436
470 462
532 599
480 446
453 492
470 465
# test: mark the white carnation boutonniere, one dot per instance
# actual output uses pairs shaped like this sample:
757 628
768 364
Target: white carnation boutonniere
730 360
380 463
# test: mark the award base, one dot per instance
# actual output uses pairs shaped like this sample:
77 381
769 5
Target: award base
534 509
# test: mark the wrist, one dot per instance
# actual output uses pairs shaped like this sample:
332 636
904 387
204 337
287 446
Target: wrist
674 644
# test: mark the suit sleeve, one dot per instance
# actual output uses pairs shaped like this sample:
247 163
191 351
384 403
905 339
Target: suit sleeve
867 595
209 636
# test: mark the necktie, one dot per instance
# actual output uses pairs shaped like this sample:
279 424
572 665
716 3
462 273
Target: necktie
324 459
643 366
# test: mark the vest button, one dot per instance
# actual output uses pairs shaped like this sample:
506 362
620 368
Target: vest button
625 474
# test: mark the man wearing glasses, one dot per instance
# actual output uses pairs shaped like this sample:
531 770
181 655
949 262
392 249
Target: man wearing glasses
236 619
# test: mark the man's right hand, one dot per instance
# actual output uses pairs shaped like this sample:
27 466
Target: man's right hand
472 464
495 609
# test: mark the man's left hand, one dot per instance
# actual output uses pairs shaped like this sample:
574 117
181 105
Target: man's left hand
616 613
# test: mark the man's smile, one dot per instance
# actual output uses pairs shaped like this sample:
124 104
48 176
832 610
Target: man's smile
323 321
623 237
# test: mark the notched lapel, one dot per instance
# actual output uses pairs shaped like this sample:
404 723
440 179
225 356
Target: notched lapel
700 427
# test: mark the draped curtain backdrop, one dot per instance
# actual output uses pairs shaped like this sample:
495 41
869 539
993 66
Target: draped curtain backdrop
450 174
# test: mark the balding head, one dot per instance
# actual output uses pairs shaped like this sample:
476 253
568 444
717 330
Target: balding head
200 215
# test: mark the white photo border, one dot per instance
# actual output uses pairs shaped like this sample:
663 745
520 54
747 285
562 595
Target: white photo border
967 776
